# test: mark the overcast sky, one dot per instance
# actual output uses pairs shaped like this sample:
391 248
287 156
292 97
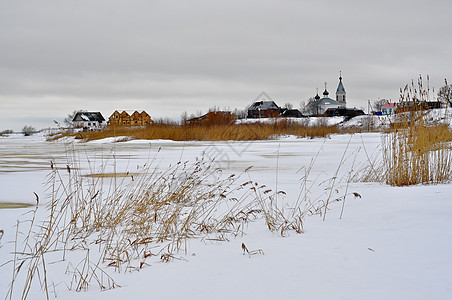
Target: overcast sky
167 57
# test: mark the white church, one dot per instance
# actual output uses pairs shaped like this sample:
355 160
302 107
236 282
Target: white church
322 104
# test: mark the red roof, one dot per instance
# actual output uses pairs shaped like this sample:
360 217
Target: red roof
389 105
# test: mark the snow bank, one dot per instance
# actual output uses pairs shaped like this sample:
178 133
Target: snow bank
308 121
433 116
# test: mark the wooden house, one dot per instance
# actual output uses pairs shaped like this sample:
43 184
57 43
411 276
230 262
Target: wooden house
140 119
114 119
124 119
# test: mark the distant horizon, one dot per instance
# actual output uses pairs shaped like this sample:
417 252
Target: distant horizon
52 124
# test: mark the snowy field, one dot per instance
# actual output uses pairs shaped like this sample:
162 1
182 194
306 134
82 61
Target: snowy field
391 242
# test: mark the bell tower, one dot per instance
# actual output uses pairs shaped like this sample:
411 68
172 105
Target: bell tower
340 92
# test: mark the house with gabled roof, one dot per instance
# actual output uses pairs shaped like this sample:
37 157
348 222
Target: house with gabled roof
135 119
263 109
389 108
140 119
88 120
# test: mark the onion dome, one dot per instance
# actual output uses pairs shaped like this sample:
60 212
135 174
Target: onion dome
325 93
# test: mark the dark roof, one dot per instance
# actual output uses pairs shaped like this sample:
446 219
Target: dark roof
348 112
214 117
210 113
340 87
263 105
293 113
88 116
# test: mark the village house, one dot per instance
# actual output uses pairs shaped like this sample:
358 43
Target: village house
291 113
124 119
213 118
263 109
389 109
342 111
88 120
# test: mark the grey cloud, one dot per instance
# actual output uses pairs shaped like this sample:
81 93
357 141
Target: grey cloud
204 53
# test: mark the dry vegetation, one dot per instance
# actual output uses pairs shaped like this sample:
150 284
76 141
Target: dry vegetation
10 205
102 224
6 132
414 152
209 132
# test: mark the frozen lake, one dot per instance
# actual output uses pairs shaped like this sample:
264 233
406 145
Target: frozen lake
391 243
25 161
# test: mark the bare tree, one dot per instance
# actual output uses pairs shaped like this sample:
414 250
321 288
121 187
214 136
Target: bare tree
288 105
445 94
302 105
28 130
240 113
6 132
313 106
70 117
377 104
184 117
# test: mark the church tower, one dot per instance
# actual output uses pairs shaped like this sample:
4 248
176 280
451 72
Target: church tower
340 92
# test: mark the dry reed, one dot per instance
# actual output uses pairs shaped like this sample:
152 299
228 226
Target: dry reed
413 151
105 224
198 132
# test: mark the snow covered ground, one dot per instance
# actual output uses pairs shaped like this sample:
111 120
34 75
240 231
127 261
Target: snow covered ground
391 243
309 121
433 116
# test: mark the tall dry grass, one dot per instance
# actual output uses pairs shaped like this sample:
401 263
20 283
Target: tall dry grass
413 151
102 224
215 132
99 224
417 154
